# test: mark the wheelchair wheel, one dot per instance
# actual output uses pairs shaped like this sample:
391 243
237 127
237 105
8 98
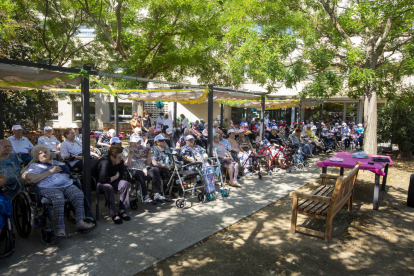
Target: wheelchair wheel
134 204
201 197
48 236
288 170
306 164
241 174
269 172
7 235
70 212
23 215
300 166
180 203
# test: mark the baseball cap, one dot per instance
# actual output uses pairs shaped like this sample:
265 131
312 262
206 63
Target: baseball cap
359 124
115 140
274 127
16 127
308 125
159 137
74 125
168 131
188 137
48 128
337 124
241 130
230 131
324 129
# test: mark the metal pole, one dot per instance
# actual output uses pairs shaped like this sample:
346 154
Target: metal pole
221 115
116 115
262 118
320 119
1 115
299 113
86 141
210 120
175 115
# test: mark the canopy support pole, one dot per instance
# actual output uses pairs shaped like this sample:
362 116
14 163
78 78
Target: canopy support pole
210 120
320 119
116 115
299 113
86 140
262 110
1 115
175 115
221 115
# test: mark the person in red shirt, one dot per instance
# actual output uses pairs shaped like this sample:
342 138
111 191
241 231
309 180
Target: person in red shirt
282 123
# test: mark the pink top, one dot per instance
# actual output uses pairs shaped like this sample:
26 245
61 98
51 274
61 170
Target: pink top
350 162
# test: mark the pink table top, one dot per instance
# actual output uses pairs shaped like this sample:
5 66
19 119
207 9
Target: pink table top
350 162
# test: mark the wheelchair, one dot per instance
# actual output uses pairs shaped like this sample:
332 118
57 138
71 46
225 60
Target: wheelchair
7 235
31 210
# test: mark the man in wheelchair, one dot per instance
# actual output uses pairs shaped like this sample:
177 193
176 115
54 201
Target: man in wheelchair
53 183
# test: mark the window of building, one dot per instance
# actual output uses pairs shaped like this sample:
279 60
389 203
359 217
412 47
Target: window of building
77 111
55 112
154 110
351 112
124 111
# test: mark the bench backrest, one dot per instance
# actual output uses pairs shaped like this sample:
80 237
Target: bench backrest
343 188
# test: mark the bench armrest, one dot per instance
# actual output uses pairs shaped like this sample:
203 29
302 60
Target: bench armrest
324 175
323 199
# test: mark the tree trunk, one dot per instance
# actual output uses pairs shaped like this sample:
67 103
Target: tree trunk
370 118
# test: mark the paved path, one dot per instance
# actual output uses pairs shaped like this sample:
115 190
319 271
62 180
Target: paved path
154 233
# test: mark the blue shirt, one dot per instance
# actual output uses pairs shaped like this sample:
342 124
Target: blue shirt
244 124
226 143
360 130
22 145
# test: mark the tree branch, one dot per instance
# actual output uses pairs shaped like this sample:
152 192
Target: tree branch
335 22
380 44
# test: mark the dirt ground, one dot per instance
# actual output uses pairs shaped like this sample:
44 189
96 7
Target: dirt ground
364 241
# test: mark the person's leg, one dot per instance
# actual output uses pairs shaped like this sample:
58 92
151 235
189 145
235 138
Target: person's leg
5 210
57 198
361 141
123 188
236 171
154 173
230 169
76 197
140 177
109 196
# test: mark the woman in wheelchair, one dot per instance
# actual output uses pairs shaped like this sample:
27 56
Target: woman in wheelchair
10 168
137 157
109 172
53 182
226 161
161 157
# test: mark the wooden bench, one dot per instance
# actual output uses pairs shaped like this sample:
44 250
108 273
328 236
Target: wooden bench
325 202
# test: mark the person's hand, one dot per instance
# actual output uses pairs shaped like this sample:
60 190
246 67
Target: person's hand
78 157
171 166
55 169
116 175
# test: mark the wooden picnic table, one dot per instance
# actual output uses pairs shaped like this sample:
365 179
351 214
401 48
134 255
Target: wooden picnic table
379 168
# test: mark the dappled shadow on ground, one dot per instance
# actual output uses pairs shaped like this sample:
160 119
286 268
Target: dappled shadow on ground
154 233
364 241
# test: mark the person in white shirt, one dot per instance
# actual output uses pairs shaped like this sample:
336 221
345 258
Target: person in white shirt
184 122
167 121
70 150
313 128
160 122
266 120
78 137
49 140
20 144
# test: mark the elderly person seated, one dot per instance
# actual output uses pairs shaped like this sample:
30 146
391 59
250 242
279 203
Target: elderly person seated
192 152
223 140
244 141
296 140
20 145
137 158
200 140
181 141
53 182
71 150
273 136
105 138
109 173
138 134
360 131
346 135
237 147
115 141
49 141
10 168
226 161
282 136
168 135
5 204
311 135
75 129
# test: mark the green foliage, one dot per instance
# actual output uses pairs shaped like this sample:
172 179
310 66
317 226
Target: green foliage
395 121
29 108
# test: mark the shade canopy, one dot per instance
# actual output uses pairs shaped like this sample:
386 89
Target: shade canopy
15 77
